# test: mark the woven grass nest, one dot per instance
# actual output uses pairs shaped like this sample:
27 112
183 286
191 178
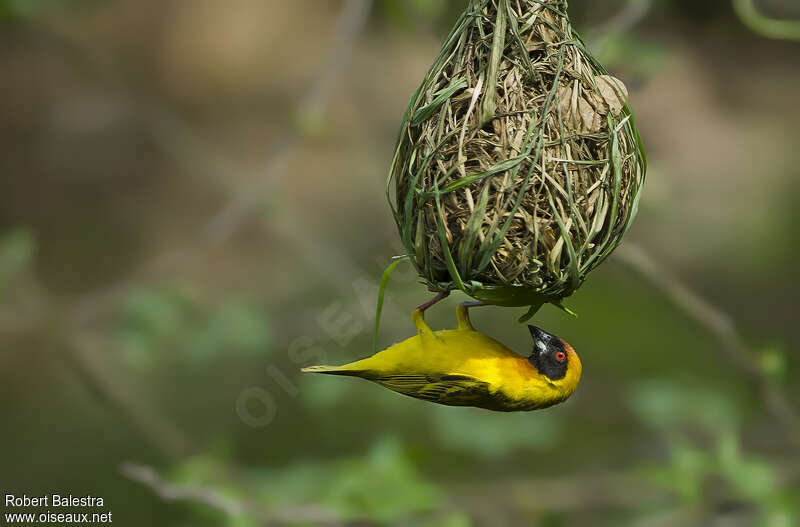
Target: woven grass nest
519 167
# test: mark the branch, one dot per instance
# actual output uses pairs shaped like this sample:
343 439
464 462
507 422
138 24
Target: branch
235 508
590 491
721 325
765 26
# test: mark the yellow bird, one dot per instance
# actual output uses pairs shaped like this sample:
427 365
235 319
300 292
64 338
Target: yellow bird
463 367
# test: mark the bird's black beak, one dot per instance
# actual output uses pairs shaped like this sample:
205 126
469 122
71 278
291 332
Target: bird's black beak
541 339
538 334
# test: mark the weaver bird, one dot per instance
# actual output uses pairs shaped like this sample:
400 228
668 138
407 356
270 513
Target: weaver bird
463 367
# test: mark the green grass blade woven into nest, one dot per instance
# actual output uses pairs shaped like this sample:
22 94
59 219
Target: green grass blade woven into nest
519 167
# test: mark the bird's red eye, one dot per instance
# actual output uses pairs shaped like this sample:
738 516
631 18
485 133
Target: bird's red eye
561 356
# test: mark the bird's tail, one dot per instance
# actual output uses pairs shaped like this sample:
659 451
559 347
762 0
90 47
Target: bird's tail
332 370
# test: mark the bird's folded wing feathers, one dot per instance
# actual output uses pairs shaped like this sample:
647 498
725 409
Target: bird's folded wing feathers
448 389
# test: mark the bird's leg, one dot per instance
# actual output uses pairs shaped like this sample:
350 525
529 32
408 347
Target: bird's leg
462 313
418 316
435 300
423 331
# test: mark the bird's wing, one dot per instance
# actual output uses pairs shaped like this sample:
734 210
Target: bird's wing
454 389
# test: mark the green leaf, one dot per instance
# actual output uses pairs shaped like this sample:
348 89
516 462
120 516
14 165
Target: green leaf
772 362
382 486
408 12
424 113
242 520
381 296
753 480
17 251
385 487
234 327
455 519
157 312
689 466
493 435
22 9
666 404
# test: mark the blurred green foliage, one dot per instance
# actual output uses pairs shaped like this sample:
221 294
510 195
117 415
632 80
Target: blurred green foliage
491 436
774 364
172 321
704 465
383 486
27 8
21 10
17 251
406 12
665 405
699 471
633 55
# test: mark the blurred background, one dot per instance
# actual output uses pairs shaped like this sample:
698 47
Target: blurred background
192 208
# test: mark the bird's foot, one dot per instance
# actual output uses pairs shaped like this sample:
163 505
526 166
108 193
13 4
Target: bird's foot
462 313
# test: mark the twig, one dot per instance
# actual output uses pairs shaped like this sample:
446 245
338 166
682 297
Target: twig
765 26
433 301
212 498
194 493
719 324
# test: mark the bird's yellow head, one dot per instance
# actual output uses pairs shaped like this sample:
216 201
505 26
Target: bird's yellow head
556 361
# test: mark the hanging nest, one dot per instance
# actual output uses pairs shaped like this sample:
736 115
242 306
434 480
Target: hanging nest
519 167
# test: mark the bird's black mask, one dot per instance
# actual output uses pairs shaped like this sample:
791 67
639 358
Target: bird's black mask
547 349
